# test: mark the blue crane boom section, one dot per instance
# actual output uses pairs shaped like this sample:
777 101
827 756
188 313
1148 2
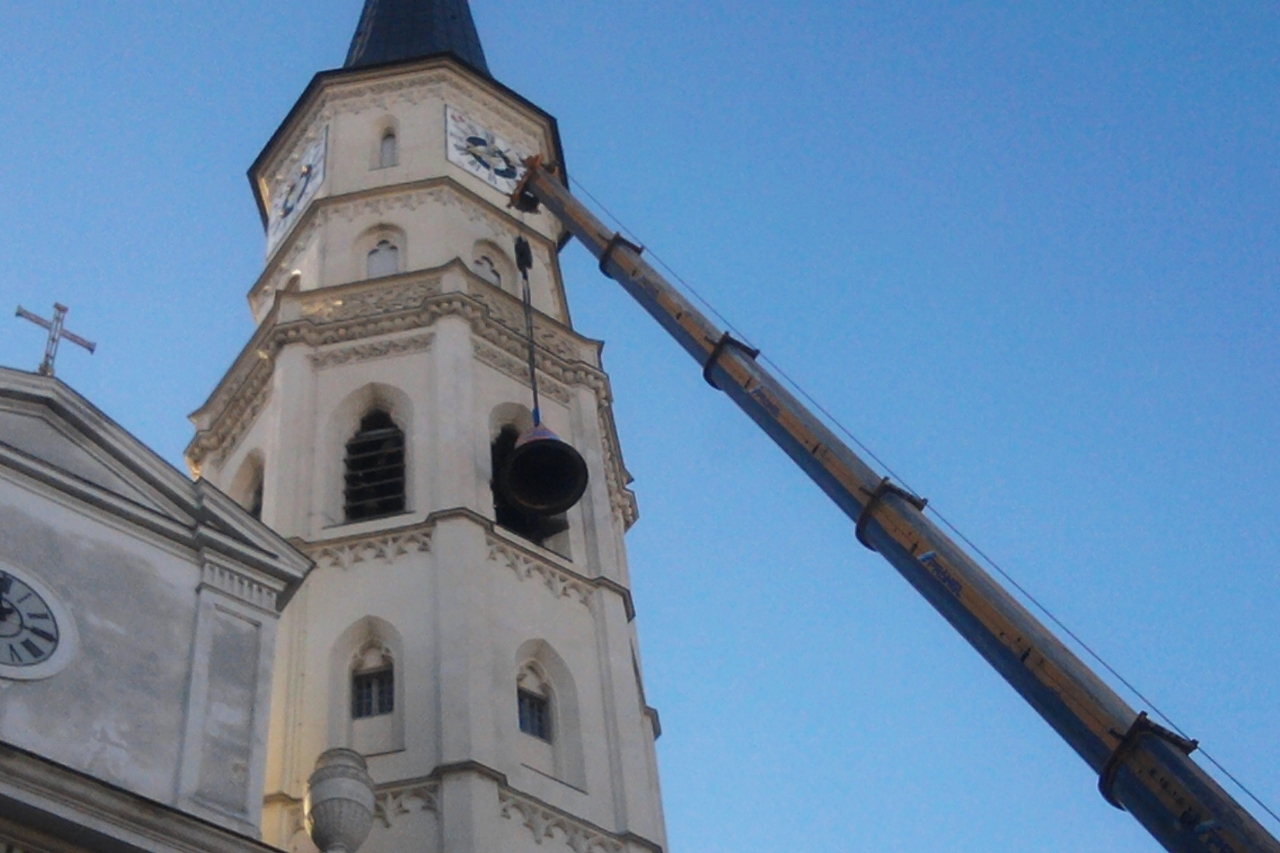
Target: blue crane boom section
1142 767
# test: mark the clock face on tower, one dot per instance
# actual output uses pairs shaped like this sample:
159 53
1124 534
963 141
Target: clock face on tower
33 628
299 186
483 153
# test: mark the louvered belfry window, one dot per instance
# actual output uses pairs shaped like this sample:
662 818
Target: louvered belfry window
375 469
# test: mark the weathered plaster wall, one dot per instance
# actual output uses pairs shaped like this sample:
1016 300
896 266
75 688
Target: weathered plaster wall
117 709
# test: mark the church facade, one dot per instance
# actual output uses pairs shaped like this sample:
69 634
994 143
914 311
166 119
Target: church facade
481 660
138 615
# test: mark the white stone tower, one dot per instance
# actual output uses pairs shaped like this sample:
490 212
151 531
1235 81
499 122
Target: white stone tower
483 662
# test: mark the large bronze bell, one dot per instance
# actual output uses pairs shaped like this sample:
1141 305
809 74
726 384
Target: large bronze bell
544 475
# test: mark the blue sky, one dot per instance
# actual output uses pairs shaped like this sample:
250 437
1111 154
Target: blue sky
1028 252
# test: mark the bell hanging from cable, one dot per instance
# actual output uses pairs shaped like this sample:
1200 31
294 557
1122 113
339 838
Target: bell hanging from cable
544 475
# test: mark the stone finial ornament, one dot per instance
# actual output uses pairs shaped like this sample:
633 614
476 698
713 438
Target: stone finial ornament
340 802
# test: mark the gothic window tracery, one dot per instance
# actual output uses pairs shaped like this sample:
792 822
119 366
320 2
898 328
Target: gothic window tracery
373 685
369 674
488 270
493 265
383 259
533 703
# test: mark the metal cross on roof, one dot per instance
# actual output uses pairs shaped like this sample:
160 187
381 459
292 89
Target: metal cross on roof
56 334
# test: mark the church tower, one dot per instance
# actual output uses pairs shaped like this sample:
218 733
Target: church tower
483 661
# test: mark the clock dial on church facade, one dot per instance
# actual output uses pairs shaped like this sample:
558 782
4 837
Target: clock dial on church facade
32 627
299 187
482 152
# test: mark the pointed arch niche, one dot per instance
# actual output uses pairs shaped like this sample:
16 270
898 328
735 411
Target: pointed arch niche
346 422
380 252
367 688
246 486
506 422
491 262
386 143
545 685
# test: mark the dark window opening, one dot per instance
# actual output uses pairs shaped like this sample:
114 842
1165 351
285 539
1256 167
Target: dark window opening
255 500
375 469
535 715
373 693
536 528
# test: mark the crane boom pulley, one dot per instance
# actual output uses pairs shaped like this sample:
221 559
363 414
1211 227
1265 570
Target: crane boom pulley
1142 768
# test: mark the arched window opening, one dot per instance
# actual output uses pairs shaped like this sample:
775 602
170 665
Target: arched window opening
373 694
255 499
376 722
246 487
488 270
383 259
535 712
550 532
493 265
547 715
387 150
375 469
535 715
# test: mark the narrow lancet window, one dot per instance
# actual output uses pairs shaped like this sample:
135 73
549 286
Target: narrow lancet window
375 469
255 500
387 152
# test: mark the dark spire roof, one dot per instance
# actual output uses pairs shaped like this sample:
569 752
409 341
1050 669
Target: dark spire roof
395 30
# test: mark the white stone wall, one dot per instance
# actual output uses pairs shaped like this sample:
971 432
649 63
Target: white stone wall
165 607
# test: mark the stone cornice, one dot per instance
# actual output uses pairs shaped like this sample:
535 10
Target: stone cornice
95 815
544 820
527 561
560 578
394 799
402 303
561 583
385 546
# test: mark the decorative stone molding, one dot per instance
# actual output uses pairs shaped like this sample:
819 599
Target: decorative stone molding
239 586
401 304
365 352
621 499
561 584
509 311
378 546
370 302
395 801
518 369
544 823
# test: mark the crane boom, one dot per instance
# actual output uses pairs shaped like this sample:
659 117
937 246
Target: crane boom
1142 767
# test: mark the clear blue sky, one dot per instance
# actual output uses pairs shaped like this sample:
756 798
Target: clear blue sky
1028 252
